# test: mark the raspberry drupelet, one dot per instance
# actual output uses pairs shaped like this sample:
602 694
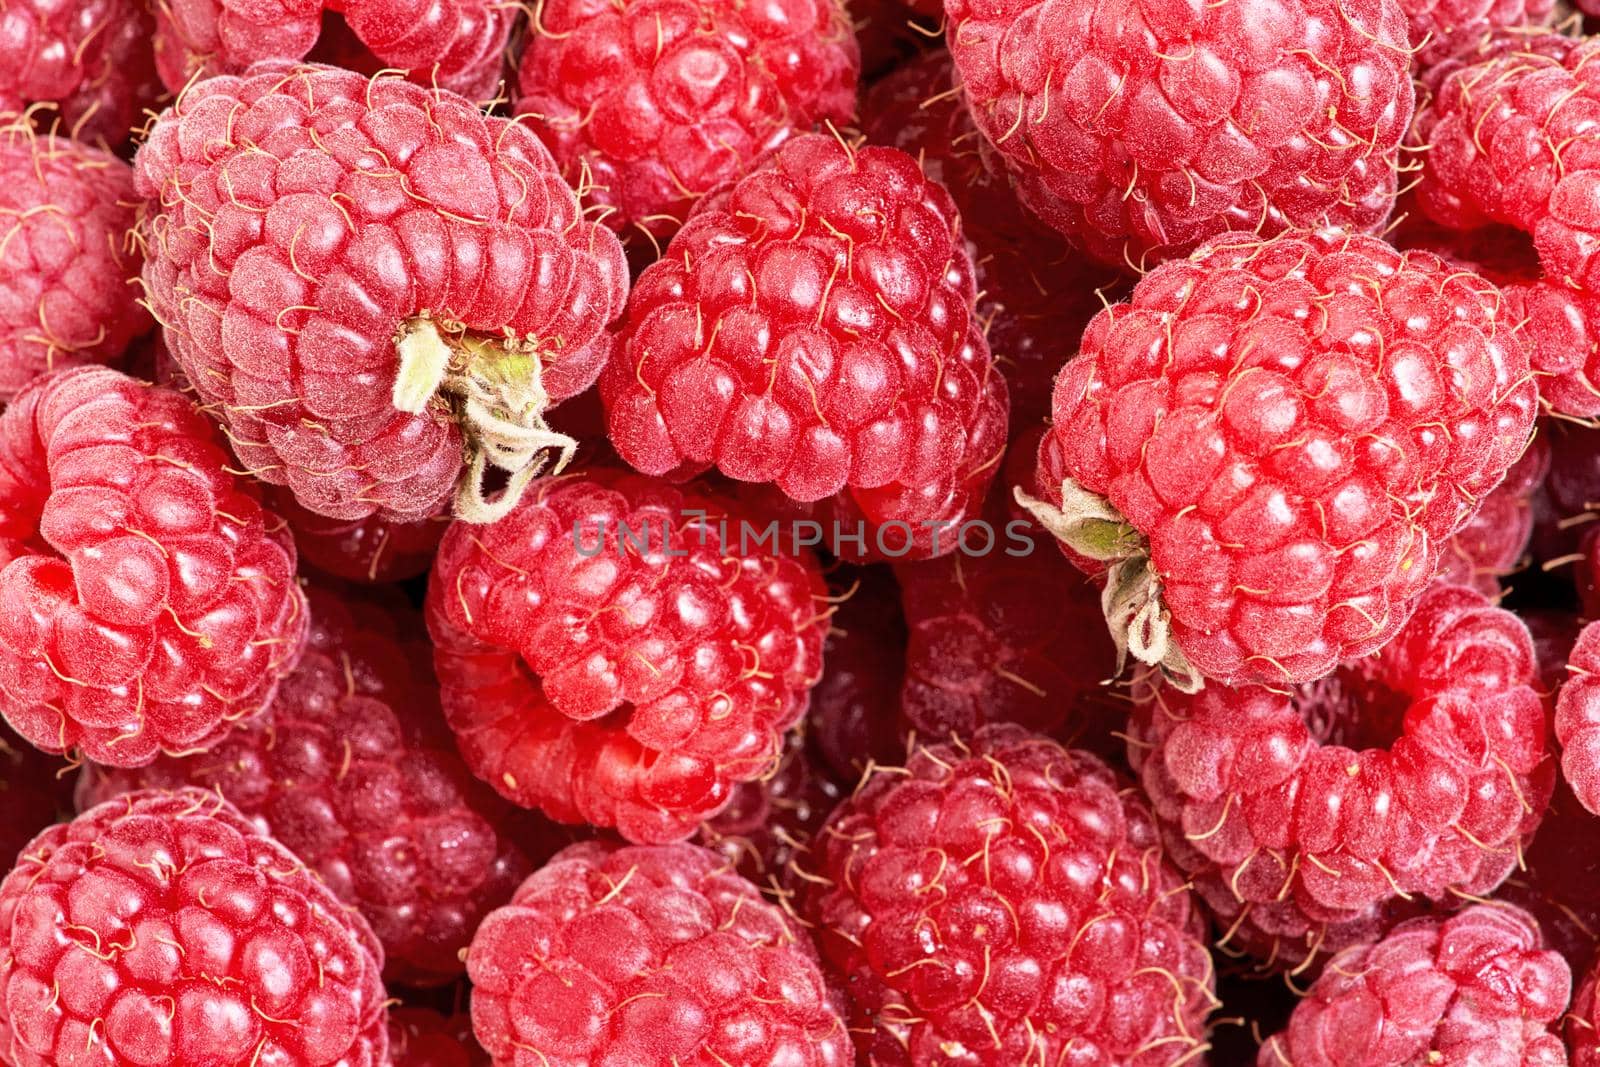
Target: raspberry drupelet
164 929
614 652
1577 720
648 105
66 264
655 954
152 599
1479 987
1414 774
1266 449
353 769
1140 130
812 326
1443 28
377 288
1003 901
1495 541
91 60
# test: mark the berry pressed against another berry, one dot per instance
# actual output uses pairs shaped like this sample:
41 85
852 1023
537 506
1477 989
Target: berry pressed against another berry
353 769
1494 542
150 599
90 59
812 326
377 288
611 653
648 105
770 821
1267 448
661 954
1441 29
1577 720
1479 987
1302 815
1140 130
1004 901
165 929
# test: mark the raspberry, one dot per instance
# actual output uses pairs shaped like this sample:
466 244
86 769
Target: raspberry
30 793
354 771
648 955
650 105
1004 901
373 549
1139 133
1415 773
65 298
1492 544
1270 444
165 929
812 326
151 599
91 59
1478 987
1037 294
853 719
1577 721
606 659
771 820
1557 885
1442 28
421 1037
321 281
1583 1021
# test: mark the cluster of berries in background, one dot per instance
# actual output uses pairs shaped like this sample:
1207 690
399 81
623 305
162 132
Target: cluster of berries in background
829 533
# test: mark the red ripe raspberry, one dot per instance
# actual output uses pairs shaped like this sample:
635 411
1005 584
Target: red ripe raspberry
1442 28
812 326
1578 719
421 1037
1493 543
1140 132
1475 988
354 771
853 718
648 955
65 264
772 820
650 105
91 59
605 658
163 928
1583 1021
31 793
1004 901
322 283
1036 292
1270 444
374 549
1414 773
152 599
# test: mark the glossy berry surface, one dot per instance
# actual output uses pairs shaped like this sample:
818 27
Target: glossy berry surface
151 599
1416 773
353 769
163 928
649 954
1002 901
812 326
603 656
90 60
649 105
319 249
1140 130
1287 433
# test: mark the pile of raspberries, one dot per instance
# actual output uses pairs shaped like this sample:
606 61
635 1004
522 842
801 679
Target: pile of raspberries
823 533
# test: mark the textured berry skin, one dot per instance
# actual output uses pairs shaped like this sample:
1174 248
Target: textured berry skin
90 59
291 264
619 685
353 770
812 326
1139 130
1416 773
1493 543
613 957
1559 324
373 550
1577 720
421 1037
66 268
1037 293
1479 987
1583 1021
1266 420
151 599
163 928
770 821
1005 902
30 793
648 105
853 717
1442 28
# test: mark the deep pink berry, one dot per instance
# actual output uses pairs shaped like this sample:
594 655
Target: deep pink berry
770 821
1578 719
150 599
1479 987
90 59
1413 774
648 105
165 929
1002 901
607 658
320 249
854 716
373 550
1140 130
1494 542
422 1037
649 955
1268 446
1441 28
